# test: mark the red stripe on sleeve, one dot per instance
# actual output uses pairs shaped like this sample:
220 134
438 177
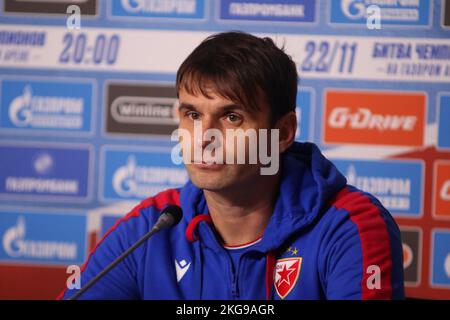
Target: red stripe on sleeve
375 242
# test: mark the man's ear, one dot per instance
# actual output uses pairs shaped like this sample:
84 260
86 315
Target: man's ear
287 125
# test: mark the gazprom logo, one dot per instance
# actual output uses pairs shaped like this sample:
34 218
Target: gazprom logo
394 193
125 182
397 184
42 105
353 9
132 180
43 163
13 239
42 111
138 175
166 6
16 245
159 8
409 12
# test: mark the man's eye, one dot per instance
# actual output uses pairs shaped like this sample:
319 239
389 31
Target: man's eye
233 117
193 115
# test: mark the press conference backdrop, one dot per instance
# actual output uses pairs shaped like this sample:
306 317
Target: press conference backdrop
86 116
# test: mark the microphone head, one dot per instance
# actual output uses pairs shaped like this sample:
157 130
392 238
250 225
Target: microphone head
170 216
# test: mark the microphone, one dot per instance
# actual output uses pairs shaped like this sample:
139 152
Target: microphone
169 217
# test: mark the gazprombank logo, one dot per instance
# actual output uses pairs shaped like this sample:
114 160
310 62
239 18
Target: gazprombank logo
378 118
55 173
298 11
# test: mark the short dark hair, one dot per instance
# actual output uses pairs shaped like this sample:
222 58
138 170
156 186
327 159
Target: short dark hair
242 68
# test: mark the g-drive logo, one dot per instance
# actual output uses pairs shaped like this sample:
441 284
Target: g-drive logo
397 184
34 237
373 117
397 12
43 105
138 175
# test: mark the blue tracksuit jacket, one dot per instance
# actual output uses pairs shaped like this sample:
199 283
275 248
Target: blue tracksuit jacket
325 240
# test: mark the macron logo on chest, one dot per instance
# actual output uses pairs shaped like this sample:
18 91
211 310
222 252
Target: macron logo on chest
181 268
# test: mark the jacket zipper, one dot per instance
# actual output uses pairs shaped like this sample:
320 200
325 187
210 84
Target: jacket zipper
234 281
235 276
235 288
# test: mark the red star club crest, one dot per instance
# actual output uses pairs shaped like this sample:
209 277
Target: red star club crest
286 275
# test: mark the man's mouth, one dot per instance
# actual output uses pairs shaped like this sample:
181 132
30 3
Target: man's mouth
210 165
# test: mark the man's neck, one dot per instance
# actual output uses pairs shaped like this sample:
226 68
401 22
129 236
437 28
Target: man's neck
242 214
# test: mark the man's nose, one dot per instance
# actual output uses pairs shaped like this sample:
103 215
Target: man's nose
204 125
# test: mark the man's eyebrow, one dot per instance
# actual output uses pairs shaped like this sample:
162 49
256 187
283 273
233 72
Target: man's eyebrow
231 107
185 106
225 108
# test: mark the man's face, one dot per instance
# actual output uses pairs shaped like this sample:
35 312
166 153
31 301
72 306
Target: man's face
221 114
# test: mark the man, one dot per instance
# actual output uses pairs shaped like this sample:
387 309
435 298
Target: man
299 233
